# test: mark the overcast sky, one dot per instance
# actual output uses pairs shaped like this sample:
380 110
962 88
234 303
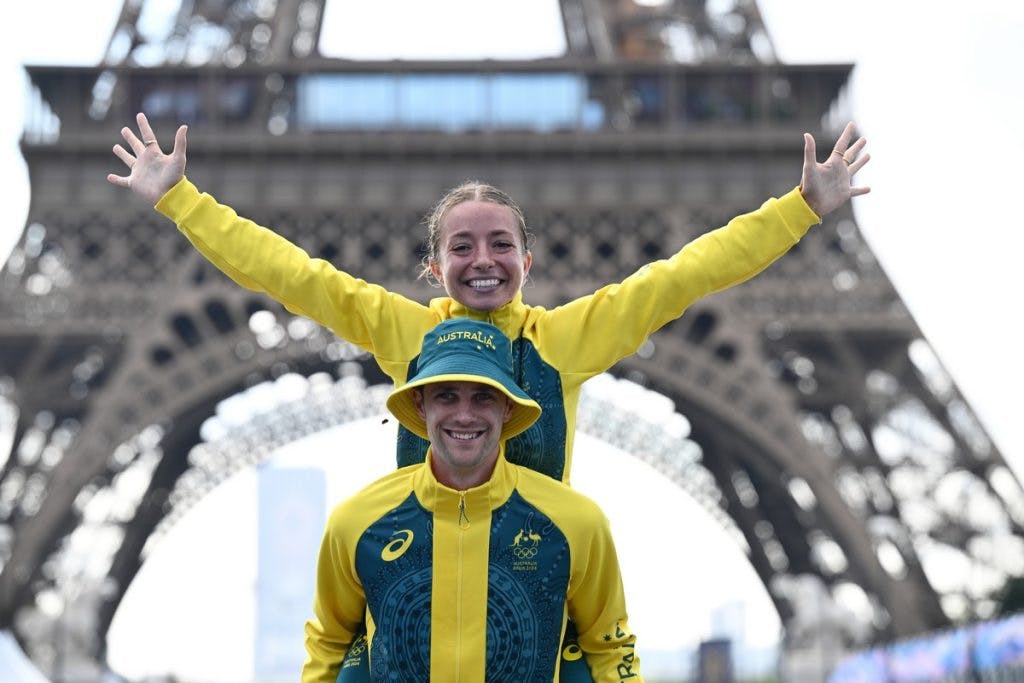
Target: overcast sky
939 97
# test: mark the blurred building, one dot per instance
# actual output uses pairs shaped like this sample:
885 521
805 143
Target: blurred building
292 504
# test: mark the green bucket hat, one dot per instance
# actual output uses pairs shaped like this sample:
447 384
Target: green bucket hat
464 350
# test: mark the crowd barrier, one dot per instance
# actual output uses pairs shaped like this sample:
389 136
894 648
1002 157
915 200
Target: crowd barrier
989 652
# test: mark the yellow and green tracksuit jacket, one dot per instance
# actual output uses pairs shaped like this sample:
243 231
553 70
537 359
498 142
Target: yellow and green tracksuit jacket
554 351
468 585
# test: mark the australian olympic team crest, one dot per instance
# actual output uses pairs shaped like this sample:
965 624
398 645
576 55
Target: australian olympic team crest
524 547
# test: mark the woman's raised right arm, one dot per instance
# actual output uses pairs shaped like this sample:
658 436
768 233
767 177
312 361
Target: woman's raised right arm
258 258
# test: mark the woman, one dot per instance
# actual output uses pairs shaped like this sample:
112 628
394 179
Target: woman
478 252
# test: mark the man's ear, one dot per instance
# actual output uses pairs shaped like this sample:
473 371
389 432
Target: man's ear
508 410
417 398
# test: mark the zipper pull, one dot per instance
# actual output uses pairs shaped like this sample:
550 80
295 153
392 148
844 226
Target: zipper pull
462 511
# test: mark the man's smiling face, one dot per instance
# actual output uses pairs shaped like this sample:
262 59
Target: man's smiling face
464 423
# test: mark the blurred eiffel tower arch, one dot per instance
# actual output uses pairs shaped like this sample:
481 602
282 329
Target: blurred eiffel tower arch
808 413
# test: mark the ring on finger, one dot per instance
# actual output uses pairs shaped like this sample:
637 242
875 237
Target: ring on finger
842 156
147 143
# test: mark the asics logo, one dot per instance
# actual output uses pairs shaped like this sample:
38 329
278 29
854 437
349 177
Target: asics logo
572 652
401 540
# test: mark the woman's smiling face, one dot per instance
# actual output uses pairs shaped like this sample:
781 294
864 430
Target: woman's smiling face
482 260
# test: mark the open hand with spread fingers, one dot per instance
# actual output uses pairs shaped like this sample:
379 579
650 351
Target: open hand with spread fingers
151 172
827 186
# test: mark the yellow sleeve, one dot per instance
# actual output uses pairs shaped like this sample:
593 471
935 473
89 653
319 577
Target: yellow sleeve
660 291
597 605
339 604
381 322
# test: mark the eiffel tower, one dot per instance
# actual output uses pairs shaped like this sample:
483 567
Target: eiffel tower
824 434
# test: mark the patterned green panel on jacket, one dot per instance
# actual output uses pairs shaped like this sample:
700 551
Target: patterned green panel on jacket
527 580
394 561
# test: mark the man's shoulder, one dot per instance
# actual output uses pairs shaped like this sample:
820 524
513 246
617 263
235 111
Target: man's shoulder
375 499
559 500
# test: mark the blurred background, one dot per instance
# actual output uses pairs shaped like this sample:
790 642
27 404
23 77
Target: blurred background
833 447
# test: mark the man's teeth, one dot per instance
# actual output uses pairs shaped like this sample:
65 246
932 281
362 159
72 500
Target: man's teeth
464 436
484 283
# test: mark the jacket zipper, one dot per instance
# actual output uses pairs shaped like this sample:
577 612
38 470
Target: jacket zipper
462 511
458 591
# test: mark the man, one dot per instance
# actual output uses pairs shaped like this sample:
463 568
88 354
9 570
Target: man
466 567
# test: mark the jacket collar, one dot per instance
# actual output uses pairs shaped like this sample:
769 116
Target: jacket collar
508 318
439 498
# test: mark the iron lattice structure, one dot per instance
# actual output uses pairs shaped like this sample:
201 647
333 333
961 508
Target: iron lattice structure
822 432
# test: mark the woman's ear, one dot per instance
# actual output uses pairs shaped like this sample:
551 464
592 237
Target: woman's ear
435 270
